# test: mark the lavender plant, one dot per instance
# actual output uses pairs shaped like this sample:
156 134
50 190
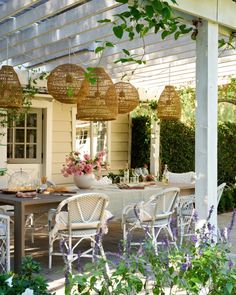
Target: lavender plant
200 266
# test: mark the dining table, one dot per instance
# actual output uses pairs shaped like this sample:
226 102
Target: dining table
42 203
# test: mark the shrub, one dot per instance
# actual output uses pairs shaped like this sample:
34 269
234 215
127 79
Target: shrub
141 136
177 150
28 279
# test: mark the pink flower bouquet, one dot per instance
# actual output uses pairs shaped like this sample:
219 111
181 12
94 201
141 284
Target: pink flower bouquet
80 165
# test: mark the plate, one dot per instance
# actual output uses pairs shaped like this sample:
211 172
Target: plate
7 191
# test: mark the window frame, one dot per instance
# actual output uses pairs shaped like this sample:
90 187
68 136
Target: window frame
38 143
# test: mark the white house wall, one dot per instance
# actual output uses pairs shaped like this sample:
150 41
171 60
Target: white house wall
120 142
62 139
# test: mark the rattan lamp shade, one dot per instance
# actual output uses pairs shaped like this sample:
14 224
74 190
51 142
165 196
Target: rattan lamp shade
64 83
128 97
169 104
98 101
11 94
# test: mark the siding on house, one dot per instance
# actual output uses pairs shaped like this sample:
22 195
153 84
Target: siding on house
62 139
120 143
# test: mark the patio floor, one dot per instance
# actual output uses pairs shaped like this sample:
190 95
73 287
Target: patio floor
111 242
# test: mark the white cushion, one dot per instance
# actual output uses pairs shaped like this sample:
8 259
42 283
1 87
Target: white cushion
187 177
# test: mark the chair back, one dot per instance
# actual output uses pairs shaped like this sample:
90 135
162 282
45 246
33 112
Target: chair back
187 177
220 190
4 243
147 210
84 210
167 200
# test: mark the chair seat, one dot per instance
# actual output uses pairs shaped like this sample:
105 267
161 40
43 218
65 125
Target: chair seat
79 233
3 229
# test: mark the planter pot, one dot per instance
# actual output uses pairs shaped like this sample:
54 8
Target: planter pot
84 181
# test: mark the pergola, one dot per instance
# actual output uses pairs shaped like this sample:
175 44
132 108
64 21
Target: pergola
42 34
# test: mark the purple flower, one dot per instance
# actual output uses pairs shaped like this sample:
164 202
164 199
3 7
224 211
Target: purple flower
184 266
232 221
195 216
210 213
194 239
231 264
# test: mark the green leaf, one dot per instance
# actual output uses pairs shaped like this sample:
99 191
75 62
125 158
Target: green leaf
131 35
135 13
109 44
118 31
157 5
149 11
229 288
122 1
99 49
157 28
105 20
166 12
139 27
177 34
164 34
126 51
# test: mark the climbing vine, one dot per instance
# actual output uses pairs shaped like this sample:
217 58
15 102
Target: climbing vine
141 18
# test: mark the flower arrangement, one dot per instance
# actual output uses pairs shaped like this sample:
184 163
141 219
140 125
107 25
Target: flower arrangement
77 164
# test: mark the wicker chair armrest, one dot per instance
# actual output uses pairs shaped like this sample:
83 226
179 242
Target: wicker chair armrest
51 216
126 210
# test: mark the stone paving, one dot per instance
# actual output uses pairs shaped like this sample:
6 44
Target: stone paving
111 242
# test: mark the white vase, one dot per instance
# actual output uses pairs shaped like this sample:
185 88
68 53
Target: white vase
84 181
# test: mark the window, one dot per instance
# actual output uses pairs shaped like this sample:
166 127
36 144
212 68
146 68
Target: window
100 136
24 139
92 137
82 136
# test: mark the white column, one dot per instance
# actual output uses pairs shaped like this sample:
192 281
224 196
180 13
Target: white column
3 151
155 148
206 121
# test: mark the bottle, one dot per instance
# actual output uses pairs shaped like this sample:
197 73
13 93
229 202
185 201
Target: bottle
165 175
126 173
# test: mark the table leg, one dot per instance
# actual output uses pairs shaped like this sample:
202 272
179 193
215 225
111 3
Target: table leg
19 236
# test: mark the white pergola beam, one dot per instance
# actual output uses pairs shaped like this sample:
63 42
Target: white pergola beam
206 122
12 7
180 72
52 25
86 39
35 15
56 41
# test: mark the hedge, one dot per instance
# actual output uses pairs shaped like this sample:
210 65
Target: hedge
177 150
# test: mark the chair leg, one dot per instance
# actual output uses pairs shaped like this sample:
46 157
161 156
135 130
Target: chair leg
70 255
171 235
50 251
104 258
154 240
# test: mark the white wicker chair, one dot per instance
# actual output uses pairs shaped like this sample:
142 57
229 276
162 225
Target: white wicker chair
220 190
29 221
152 216
185 217
4 243
82 220
186 177
186 213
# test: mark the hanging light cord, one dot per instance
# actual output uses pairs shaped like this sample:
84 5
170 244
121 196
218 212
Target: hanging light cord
7 50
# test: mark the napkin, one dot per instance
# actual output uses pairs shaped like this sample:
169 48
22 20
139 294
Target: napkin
26 195
103 181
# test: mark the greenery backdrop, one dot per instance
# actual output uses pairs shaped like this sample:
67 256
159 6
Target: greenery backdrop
178 141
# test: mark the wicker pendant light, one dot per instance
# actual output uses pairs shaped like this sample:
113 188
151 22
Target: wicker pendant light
64 82
11 94
169 104
98 101
128 97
